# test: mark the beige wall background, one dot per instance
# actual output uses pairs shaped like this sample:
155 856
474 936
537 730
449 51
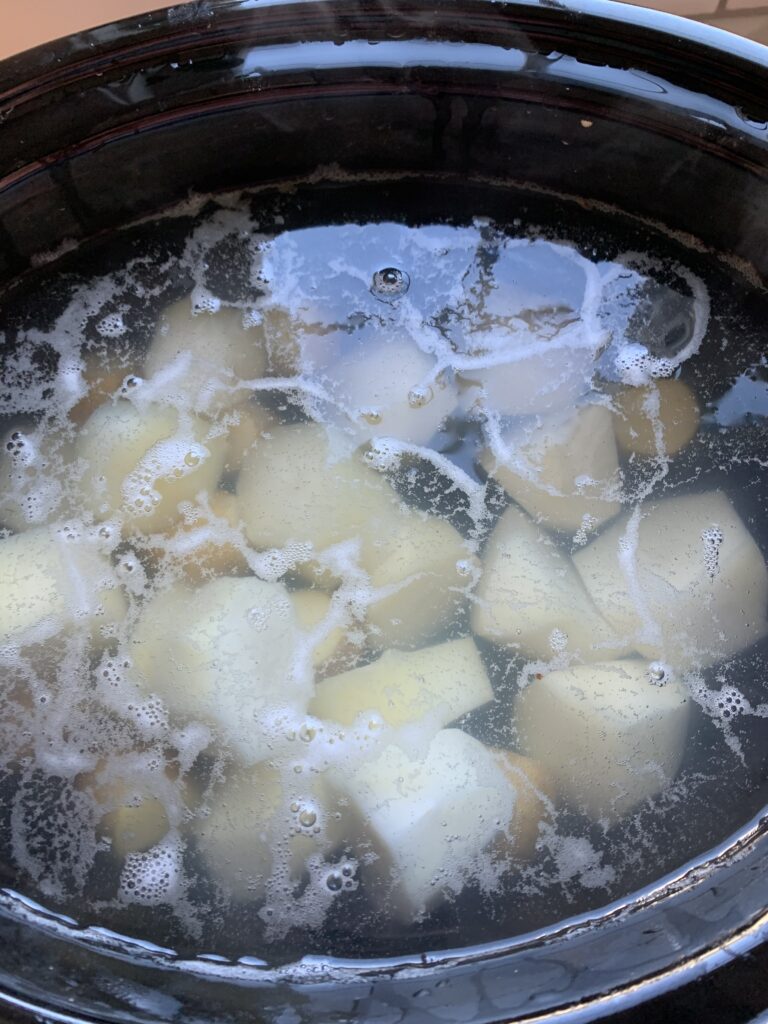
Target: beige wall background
25 23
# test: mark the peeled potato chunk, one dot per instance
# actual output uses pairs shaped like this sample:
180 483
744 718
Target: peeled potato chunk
257 828
104 371
54 579
205 354
435 684
531 597
535 790
567 471
380 384
249 422
660 419
142 463
691 589
335 648
422 567
608 733
291 491
429 820
197 547
223 653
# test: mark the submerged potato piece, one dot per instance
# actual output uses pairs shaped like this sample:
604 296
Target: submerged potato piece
697 585
437 684
573 466
52 579
138 821
205 354
667 406
249 422
142 463
423 567
256 828
534 787
335 649
381 385
290 491
429 820
223 653
197 547
610 736
298 340
104 371
531 597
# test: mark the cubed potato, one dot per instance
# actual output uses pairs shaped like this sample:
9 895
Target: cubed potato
290 491
104 372
423 569
141 463
564 470
212 352
201 548
249 422
435 684
224 654
54 579
690 589
535 795
660 419
608 733
380 383
336 649
256 826
429 820
531 597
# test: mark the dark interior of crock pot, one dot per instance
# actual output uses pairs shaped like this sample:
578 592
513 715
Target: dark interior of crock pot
608 134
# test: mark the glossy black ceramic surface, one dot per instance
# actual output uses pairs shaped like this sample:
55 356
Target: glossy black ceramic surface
600 104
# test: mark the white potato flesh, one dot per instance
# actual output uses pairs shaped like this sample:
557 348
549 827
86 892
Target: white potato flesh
531 597
254 821
423 568
534 785
660 419
610 736
52 579
690 588
140 464
248 423
384 386
290 490
430 819
435 684
312 608
205 354
563 470
224 654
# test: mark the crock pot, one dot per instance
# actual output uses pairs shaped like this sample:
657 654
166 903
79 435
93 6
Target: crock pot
588 103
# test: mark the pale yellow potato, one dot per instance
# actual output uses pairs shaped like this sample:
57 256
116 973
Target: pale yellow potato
427 818
574 468
435 684
104 372
609 735
298 341
214 350
223 653
530 597
197 549
697 589
289 490
256 826
250 423
667 406
427 565
336 649
140 464
534 788
54 579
